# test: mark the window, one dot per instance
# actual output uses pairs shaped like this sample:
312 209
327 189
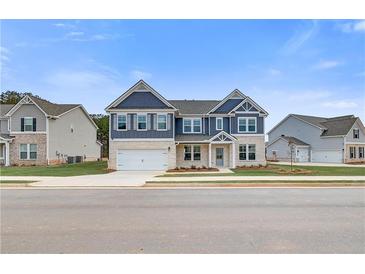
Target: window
352 152
122 122
2 146
219 125
28 124
243 152
246 124
361 152
196 153
252 152
192 125
356 133
162 122
142 122
187 153
28 151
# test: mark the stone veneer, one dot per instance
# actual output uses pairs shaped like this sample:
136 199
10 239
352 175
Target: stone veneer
180 162
354 160
40 139
114 146
259 141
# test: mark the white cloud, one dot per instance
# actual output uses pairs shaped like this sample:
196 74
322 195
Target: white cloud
326 64
75 33
274 72
300 38
355 26
301 96
64 26
138 74
339 104
4 54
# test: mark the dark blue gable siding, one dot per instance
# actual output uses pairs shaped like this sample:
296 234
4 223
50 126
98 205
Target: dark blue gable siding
142 100
228 105
260 123
179 126
213 126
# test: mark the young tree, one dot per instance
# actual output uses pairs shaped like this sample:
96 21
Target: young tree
102 121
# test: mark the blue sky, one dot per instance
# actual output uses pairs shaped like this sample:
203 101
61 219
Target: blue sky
287 66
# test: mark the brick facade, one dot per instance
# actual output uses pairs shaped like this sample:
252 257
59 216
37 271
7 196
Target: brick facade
356 159
39 139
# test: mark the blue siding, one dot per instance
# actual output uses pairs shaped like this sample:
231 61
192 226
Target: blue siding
260 123
213 127
179 126
228 105
141 134
142 100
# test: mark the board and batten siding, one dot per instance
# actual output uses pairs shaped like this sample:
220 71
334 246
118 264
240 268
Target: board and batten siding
28 110
80 142
260 123
142 100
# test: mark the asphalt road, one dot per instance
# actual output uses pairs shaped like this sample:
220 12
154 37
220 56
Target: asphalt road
183 221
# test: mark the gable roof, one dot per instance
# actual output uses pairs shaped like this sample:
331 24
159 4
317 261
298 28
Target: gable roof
294 140
333 126
51 108
234 94
194 106
140 85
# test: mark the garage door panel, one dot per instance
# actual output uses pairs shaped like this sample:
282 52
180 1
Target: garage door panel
327 156
139 159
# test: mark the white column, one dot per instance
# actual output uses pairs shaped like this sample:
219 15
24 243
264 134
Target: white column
210 155
7 160
233 149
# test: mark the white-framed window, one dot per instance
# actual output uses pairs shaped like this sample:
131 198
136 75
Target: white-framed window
28 151
247 152
356 133
196 153
361 152
161 122
247 124
187 153
192 125
122 121
141 122
352 152
192 153
219 123
28 123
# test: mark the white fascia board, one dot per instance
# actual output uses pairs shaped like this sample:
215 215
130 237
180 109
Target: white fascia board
20 103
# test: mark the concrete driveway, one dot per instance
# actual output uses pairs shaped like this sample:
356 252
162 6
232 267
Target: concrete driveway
118 178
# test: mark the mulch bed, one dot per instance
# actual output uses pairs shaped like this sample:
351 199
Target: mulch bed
198 169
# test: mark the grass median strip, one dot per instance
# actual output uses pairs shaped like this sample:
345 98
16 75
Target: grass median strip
15 182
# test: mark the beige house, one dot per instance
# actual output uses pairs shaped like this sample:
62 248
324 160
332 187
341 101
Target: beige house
37 132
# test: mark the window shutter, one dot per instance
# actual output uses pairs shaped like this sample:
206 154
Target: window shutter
21 124
155 121
135 121
168 127
115 121
34 124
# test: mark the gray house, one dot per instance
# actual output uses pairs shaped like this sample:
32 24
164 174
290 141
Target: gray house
317 139
38 132
149 132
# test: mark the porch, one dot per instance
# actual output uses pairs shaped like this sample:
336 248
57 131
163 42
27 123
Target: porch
5 141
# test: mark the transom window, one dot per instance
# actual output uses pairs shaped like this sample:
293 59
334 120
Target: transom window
28 151
246 124
28 124
162 122
192 125
361 152
356 133
192 153
142 122
219 123
247 152
122 122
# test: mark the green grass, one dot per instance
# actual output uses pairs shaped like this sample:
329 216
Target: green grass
274 170
342 182
87 168
15 182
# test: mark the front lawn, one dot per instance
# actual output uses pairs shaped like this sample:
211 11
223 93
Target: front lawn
87 168
284 170
7 182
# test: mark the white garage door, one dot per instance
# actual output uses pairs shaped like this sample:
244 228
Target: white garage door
142 159
327 156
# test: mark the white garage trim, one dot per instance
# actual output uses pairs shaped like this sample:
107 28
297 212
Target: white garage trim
142 159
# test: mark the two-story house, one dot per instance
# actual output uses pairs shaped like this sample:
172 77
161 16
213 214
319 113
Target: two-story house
149 132
304 138
38 132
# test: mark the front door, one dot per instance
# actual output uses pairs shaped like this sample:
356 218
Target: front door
219 156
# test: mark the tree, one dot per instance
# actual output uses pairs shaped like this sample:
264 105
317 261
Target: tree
13 97
102 121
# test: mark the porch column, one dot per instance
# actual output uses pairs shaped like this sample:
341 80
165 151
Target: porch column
210 155
7 157
233 153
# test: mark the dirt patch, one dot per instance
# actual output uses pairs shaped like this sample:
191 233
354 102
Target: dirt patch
294 171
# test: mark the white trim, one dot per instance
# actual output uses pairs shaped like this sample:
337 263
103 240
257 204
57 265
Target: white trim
20 103
249 135
47 141
229 96
7 154
126 122
247 124
210 155
355 143
28 132
142 139
222 133
216 123
159 114
358 135
253 103
135 110
133 89
141 115
28 152
334 136
192 152
192 125
247 153
29 118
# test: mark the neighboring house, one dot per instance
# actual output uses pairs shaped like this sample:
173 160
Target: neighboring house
38 132
317 139
148 132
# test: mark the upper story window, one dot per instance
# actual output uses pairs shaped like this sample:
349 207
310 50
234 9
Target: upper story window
356 133
219 123
28 124
162 122
122 122
247 124
141 122
192 125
